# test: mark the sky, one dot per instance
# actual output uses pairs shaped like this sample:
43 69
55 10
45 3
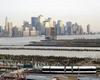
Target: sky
81 11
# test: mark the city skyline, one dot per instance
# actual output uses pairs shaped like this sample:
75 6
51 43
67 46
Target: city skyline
43 26
81 11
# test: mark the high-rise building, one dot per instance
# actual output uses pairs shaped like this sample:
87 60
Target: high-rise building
68 28
41 19
73 29
60 27
77 29
50 32
15 32
41 24
8 28
28 26
10 25
38 23
6 24
88 29
28 29
34 21
1 31
81 30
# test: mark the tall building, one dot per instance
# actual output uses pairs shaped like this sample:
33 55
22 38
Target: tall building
16 32
77 29
88 29
28 29
60 26
1 31
81 30
34 21
10 25
38 23
41 19
6 24
73 29
41 24
27 26
50 32
8 28
68 28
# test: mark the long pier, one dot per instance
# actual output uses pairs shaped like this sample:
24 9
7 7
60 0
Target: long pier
47 48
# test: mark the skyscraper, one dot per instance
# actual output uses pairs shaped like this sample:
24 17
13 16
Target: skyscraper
26 32
34 21
60 27
15 32
10 25
69 28
41 24
27 28
8 28
41 19
88 29
81 30
6 24
77 29
1 31
50 32
73 29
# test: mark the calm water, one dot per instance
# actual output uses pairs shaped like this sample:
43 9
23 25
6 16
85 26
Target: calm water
20 41
26 40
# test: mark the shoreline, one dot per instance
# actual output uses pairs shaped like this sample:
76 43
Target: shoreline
49 60
46 48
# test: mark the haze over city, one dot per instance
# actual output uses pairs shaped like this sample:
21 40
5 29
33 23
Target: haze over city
81 11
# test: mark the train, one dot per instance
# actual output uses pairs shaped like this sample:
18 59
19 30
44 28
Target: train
69 69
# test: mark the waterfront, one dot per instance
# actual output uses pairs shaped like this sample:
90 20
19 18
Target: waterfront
19 42
80 54
26 40
12 49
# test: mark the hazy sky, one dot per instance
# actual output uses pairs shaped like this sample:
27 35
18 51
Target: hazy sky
81 11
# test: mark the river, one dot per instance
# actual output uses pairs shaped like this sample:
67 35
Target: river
20 41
